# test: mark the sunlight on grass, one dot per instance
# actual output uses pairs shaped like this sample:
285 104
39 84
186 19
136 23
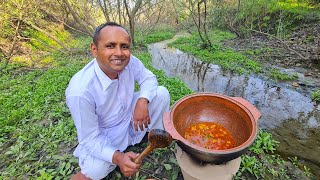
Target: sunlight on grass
289 4
217 54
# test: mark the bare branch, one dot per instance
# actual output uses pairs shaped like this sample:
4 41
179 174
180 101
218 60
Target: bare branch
76 17
48 34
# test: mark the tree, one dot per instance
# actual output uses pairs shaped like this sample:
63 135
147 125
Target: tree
131 17
197 11
81 13
21 19
14 14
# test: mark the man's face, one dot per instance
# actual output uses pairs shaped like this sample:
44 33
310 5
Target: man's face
113 50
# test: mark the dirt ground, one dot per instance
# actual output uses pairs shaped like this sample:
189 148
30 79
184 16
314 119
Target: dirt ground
299 53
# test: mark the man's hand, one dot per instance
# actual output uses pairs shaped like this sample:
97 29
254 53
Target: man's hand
126 163
141 114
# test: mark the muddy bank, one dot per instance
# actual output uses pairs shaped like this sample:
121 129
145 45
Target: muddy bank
289 114
297 53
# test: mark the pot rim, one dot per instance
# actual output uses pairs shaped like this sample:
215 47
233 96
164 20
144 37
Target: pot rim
241 147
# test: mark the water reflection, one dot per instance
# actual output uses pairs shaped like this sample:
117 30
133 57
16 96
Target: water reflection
288 114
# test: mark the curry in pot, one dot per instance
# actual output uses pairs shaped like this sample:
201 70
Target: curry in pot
210 135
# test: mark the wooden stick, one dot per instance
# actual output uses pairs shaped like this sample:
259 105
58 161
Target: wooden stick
145 153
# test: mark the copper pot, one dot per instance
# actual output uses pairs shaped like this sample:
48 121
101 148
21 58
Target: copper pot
234 113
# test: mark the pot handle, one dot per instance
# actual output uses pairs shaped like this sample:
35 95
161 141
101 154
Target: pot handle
168 126
253 110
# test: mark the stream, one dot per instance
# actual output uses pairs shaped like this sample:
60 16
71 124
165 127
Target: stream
288 114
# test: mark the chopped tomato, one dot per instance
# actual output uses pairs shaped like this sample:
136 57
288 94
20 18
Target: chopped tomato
210 135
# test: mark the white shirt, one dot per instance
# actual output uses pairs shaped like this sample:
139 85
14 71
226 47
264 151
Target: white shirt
102 109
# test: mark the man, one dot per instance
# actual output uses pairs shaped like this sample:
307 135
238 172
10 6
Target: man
109 116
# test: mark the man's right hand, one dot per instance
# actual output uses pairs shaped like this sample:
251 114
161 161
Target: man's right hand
126 163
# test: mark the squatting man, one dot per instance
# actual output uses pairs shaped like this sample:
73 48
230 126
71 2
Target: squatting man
108 114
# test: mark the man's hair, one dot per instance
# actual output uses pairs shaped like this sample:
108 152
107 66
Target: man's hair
98 29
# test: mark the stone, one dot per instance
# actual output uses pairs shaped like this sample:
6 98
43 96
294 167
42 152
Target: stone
295 84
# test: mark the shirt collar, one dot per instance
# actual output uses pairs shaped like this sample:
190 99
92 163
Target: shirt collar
103 78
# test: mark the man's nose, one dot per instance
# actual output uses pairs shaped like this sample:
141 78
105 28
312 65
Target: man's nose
118 51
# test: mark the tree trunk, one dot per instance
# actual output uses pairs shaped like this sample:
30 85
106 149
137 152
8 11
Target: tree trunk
131 16
239 4
75 16
131 25
104 9
89 19
14 42
199 26
119 11
205 23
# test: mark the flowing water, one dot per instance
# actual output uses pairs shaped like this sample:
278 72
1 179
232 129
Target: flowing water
287 113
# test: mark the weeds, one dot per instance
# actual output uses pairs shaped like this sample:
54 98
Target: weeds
226 58
260 162
277 75
159 34
36 122
37 134
264 143
315 95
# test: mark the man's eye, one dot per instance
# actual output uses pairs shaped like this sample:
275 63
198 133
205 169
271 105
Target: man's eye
125 47
109 46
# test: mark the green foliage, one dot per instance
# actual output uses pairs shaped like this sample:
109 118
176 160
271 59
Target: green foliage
277 75
160 33
36 125
41 41
264 143
7 30
258 163
151 38
226 58
37 133
250 164
271 16
81 42
257 52
315 95
297 164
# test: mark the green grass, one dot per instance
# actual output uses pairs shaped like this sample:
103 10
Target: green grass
315 95
260 162
226 58
38 134
36 126
277 75
160 33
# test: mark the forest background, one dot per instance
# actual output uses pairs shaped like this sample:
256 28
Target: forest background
43 43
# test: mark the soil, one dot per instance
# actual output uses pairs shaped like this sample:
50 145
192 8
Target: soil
298 53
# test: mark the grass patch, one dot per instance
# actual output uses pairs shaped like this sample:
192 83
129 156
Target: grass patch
226 58
37 131
280 76
160 33
260 162
315 95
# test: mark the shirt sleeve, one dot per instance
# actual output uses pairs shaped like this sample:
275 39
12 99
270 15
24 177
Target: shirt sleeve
146 79
86 121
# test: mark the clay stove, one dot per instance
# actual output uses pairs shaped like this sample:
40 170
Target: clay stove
193 170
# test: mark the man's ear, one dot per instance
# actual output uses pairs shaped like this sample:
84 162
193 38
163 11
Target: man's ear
93 48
